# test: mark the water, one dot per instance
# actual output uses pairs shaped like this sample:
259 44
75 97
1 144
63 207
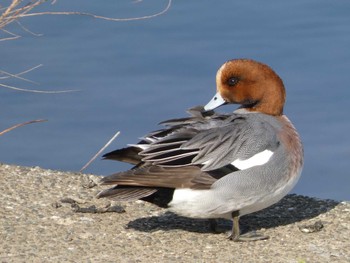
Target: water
131 75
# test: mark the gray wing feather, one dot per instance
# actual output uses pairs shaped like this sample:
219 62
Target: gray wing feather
239 138
211 142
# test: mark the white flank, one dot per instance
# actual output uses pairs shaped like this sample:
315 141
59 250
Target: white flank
257 159
191 203
185 195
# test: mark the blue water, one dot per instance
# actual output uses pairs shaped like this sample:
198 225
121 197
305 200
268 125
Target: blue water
131 75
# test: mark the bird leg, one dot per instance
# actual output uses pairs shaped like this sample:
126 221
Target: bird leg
235 234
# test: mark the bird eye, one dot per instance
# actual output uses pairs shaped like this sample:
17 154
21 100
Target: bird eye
232 81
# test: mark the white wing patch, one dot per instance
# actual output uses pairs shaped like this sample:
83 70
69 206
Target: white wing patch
257 159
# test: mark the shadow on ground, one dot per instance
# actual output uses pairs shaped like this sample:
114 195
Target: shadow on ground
291 209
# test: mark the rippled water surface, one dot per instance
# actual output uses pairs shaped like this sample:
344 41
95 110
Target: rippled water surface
131 75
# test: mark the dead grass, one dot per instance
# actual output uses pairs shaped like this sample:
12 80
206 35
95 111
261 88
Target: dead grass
18 9
14 10
19 125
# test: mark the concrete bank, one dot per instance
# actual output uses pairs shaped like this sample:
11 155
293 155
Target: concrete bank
52 216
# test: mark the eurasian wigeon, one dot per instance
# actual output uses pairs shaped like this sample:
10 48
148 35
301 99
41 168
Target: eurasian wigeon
214 165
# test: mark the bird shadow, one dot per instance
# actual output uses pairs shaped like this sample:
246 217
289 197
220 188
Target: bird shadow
291 209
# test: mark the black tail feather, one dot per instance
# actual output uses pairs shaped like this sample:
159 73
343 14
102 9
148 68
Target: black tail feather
128 155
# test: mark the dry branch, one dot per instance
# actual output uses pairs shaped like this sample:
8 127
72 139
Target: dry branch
18 76
102 17
17 10
19 125
99 152
8 75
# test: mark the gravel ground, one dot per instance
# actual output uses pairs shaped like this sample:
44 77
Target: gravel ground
52 216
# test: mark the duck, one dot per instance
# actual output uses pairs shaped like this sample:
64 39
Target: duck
214 165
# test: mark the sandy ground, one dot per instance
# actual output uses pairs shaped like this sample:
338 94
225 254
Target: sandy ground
52 216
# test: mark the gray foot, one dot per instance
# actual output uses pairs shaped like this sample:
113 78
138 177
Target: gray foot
247 237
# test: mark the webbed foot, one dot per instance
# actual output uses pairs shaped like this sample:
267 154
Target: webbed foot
247 237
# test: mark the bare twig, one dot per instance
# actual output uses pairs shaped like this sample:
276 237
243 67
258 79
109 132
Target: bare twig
99 152
12 35
13 12
16 76
37 91
9 9
19 125
16 11
20 73
27 30
100 17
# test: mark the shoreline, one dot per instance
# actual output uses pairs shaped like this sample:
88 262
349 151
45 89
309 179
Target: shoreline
54 216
